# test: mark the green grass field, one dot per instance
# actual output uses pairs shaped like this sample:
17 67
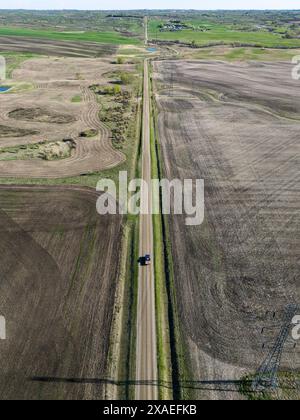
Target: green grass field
101 37
240 54
14 60
223 34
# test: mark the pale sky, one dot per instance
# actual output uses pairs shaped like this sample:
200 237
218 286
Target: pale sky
149 4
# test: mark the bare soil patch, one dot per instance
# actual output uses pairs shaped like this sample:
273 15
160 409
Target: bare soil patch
58 272
241 266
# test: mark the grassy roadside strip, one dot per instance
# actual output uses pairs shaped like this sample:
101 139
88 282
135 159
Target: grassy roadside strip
166 296
131 331
161 300
121 363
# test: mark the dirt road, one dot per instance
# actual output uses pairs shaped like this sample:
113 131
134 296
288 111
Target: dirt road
146 350
146 30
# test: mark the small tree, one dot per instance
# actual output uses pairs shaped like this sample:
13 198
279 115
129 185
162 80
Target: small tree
126 78
117 89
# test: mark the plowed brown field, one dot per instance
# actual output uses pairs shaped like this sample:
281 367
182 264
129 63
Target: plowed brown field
59 263
238 128
55 48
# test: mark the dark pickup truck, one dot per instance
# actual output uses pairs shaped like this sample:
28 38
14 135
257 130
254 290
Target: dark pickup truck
145 260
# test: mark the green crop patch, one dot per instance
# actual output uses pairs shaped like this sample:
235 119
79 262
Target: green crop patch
199 33
101 37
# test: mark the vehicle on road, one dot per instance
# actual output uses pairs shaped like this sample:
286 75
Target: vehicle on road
145 260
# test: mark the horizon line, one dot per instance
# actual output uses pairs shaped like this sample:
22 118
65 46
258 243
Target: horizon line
147 9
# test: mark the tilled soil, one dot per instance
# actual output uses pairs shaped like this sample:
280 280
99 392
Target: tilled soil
236 127
58 271
48 110
55 48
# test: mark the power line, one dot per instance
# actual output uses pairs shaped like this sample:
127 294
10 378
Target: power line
267 374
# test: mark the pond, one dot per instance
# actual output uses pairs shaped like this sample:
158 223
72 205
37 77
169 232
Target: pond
152 50
4 88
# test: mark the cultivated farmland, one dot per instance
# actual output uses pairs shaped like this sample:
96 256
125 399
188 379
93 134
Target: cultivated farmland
58 269
236 126
54 47
51 101
270 29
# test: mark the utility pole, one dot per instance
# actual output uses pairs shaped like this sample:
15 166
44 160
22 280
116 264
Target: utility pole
267 374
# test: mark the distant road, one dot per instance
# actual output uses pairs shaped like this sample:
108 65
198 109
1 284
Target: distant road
146 30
